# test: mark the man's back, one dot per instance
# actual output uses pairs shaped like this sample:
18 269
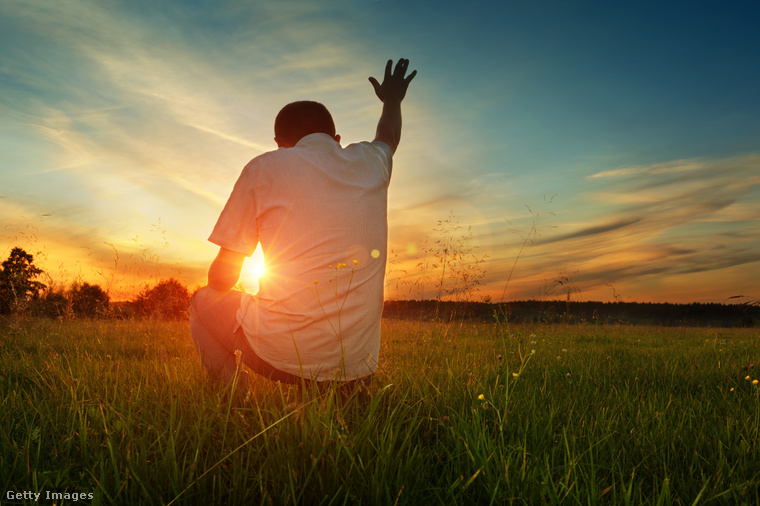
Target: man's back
315 207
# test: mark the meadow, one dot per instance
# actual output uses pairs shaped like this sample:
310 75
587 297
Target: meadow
458 413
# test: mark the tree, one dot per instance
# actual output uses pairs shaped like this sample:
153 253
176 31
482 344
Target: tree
17 283
88 300
168 300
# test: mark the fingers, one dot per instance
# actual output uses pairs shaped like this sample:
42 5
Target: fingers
394 78
401 66
375 84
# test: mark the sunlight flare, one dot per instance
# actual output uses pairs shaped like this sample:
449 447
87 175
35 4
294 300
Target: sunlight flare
253 269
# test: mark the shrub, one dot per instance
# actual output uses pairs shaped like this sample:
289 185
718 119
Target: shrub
88 301
168 300
53 303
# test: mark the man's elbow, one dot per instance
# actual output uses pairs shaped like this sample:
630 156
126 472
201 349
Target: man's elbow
222 285
220 280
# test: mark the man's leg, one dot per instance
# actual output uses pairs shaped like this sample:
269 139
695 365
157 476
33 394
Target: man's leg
217 334
213 325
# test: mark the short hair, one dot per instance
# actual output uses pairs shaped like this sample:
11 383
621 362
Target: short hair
299 119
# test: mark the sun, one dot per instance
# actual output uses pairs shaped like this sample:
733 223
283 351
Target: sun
257 266
253 269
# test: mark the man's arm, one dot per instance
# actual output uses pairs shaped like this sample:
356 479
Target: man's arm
391 93
225 269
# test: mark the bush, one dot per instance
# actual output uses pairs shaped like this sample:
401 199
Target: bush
53 303
168 300
88 301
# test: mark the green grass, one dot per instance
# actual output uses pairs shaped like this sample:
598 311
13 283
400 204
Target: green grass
645 416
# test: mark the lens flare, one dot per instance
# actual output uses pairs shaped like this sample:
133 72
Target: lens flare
253 269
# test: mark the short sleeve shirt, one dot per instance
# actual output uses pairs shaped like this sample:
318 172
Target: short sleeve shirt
320 213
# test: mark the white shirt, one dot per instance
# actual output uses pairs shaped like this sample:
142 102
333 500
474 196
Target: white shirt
314 207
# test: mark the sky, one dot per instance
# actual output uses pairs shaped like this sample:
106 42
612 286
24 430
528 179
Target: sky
592 150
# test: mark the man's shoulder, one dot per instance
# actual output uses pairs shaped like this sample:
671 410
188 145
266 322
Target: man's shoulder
375 147
267 158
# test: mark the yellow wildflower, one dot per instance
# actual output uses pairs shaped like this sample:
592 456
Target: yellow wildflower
356 262
481 397
515 375
747 377
755 382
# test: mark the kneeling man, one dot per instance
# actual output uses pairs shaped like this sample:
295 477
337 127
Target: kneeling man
320 213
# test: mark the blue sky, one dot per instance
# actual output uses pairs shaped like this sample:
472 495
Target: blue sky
629 135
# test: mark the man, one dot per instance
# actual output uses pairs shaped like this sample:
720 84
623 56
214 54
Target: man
320 213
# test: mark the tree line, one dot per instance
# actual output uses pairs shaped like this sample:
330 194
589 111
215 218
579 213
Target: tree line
22 293
743 314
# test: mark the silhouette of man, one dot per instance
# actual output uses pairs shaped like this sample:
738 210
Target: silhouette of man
320 213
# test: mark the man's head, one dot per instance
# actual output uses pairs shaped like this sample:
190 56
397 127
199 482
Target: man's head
299 119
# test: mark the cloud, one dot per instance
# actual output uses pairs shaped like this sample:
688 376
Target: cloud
672 230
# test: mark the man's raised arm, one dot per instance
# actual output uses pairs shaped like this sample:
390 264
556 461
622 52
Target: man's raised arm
391 93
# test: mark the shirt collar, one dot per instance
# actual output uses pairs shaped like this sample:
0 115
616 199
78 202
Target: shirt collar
317 140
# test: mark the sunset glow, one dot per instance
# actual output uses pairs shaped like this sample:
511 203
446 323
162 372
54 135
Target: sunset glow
552 134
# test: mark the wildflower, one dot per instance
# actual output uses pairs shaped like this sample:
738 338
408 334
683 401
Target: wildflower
570 375
751 366
532 352
481 397
498 357
747 377
515 375
732 389
755 382
356 262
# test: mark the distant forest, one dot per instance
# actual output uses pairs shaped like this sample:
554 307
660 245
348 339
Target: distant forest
533 311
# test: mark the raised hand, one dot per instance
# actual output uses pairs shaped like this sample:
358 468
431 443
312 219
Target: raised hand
394 84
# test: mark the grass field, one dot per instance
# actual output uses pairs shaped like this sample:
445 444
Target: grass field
458 414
